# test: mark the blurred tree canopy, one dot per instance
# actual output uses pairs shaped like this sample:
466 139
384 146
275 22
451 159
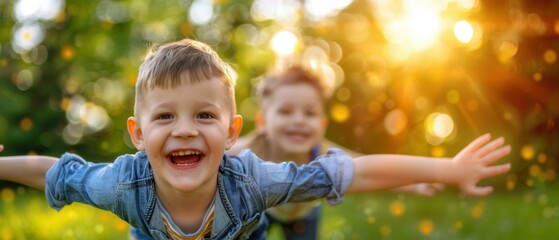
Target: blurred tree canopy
421 77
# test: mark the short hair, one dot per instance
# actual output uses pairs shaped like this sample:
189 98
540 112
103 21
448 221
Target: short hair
290 76
171 64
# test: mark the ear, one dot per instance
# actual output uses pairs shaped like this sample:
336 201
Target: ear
260 121
135 133
234 131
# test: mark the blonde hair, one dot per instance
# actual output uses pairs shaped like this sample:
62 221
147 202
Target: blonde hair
184 61
290 76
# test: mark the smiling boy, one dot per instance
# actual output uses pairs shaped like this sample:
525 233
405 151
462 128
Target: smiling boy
181 185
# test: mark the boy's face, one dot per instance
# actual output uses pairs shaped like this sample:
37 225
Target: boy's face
185 130
294 118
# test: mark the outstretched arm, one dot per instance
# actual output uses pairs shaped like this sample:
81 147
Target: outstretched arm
465 170
27 170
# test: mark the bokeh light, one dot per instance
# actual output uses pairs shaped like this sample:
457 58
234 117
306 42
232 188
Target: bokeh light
395 121
284 43
438 127
201 12
463 31
30 10
27 36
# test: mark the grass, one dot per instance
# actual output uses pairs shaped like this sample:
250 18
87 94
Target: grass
532 214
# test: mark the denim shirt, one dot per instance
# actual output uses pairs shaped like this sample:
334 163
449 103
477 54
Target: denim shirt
246 186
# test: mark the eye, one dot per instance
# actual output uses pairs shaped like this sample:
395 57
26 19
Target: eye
311 112
205 115
284 111
164 116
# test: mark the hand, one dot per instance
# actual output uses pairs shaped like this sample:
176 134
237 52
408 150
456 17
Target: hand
427 189
1 147
472 164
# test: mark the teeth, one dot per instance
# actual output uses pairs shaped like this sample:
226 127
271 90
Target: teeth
185 152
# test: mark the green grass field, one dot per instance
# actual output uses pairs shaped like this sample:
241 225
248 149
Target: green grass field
532 214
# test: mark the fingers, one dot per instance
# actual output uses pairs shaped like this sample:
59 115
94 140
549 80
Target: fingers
478 191
1 147
477 143
488 148
496 170
495 155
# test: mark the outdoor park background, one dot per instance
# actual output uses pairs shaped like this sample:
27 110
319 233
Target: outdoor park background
409 77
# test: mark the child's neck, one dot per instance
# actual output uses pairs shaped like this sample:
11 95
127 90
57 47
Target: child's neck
187 210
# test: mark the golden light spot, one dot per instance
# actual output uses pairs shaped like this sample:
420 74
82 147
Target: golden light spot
343 94
26 124
67 52
542 158
477 210
397 208
550 56
8 195
339 113
510 185
556 26
537 77
527 152
453 97
395 121
385 230
511 182
506 51
65 103
371 219
121 226
437 151
426 227
458 225
535 170
550 175
3 62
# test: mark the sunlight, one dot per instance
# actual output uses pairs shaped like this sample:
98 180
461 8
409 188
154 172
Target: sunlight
284 43
423 25
463 31
410 23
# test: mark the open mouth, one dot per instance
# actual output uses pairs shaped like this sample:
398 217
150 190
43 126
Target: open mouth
298 136
186 159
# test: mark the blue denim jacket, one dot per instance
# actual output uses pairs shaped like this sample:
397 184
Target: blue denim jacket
246 187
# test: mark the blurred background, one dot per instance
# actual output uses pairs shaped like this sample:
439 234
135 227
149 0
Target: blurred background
407 77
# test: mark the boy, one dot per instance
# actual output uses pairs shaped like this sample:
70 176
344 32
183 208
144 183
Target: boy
291 125
184 120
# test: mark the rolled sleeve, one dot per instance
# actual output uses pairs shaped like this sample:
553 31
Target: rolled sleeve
72 179
338 166
328 176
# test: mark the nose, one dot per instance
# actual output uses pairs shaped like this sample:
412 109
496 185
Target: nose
185 128
299 117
